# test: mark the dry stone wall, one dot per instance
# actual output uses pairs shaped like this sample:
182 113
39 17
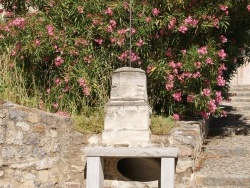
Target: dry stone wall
39 149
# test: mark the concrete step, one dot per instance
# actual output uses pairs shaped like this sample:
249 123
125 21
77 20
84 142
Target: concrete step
240 87
240 99
239 93
223 171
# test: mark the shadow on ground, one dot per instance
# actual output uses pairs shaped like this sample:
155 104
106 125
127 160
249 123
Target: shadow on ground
235 123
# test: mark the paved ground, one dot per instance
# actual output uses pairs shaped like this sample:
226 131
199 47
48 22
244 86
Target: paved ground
226 157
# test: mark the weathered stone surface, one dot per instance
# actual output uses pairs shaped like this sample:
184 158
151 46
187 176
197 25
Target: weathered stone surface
23 125
129 84
33 118
44 164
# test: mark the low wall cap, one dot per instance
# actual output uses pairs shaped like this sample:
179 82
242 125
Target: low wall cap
129 69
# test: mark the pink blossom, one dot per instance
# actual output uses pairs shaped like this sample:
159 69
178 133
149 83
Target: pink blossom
18 22
220 81
202 50
197 74
190 98
177 96
81 82
148 19
172 64
211 106
59 61
223 113
221 53
223 39
218 97
99 41
205 115
109 29
223 7
216 23
169 86
80 9
170 77
48 91
86 91
37 41
172 24
197 65
182 29
66 89
50 29
112 23
140 43
184 51
206 92
155 12
149 69
248 8
209 61
179 65
176 117
108 11
169 52
57 81
55 105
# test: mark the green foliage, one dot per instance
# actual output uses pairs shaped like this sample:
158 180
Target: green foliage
68 49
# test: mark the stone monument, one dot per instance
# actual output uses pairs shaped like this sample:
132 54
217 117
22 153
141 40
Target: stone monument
127 113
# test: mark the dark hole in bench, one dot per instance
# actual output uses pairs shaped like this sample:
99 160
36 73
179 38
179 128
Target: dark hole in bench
140 169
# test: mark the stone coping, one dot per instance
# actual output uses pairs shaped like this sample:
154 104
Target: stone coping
129 69
149 152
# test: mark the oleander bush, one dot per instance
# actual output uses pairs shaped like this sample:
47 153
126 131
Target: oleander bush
68 49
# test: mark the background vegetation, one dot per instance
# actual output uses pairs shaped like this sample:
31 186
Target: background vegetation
59 55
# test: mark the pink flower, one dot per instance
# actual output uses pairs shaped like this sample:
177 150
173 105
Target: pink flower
86 90
197 74
112 23
169 86
209 61
223 39
172 24
99 41
148 19
149 69
155 12
220 81
224 7
57 81
50 29
169 52
197 65
179 65
216 23
205 115
37 41
182 29
177 96
81 82
108 11
190 98
59 61
48 91
206 92
80 9
248 8
221 53
176 117
140 43
172 64
218 97
211 106
202 50
55 105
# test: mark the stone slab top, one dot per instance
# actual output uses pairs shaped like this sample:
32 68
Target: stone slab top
149 152
129 69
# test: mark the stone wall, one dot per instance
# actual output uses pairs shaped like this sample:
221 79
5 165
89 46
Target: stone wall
39 149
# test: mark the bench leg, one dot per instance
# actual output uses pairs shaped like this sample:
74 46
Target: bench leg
167 172
95 175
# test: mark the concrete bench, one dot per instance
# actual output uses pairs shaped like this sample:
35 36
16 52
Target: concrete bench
95 155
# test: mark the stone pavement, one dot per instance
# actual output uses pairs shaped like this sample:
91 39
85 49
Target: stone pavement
225 161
